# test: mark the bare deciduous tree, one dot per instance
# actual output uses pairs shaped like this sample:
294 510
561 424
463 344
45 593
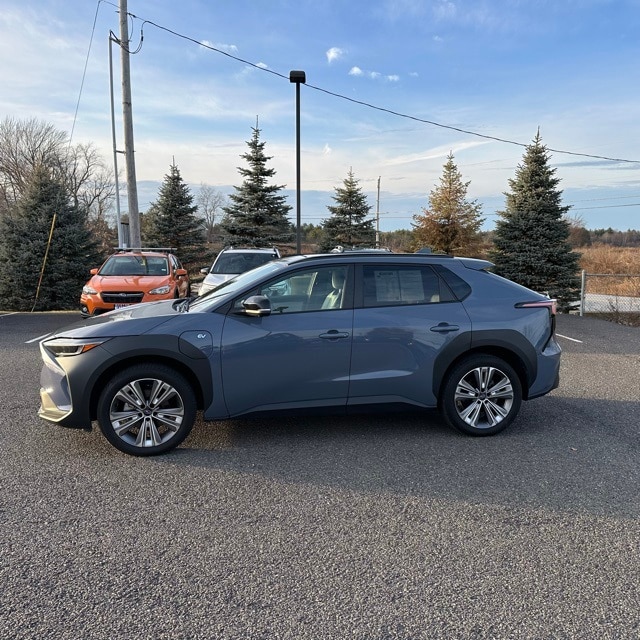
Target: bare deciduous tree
25 145
210 203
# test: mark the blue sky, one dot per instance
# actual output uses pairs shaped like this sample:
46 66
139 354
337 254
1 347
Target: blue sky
499 68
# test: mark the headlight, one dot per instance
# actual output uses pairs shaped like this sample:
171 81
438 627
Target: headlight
89 291
60 347
160 290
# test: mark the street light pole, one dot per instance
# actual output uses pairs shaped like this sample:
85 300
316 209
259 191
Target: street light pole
298 77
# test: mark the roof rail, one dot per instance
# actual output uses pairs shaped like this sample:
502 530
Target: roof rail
159 249
381 255
341 249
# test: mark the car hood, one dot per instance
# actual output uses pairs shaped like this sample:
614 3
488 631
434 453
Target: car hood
216 279
134 320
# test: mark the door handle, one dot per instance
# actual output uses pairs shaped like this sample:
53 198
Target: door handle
445 327
334 334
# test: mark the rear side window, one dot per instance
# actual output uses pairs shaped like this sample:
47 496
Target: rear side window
459 287
402 285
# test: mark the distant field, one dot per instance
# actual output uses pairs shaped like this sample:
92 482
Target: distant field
605 259
608 296
601 258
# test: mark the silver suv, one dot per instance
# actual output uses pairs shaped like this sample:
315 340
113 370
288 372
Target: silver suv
231 262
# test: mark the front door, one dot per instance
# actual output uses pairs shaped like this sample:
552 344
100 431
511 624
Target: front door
297 357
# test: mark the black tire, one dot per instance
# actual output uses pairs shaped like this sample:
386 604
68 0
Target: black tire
481 395
147 409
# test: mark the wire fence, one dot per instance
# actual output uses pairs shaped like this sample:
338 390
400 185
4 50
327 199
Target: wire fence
613 296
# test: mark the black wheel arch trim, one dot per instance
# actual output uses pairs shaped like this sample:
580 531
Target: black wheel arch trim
509 344
132 350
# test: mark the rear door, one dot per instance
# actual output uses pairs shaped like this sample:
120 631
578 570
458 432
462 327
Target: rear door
406 319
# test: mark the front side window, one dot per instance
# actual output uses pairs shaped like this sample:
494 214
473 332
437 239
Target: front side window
318 289
402 285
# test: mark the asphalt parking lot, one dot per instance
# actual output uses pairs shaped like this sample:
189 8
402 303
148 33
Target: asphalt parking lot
371 527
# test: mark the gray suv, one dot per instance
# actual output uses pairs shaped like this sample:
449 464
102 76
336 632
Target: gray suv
339 332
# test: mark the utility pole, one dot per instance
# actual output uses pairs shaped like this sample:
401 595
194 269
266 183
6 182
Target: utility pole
121 242
127 120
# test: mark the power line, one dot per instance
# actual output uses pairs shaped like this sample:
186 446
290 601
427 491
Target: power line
607 206
610 198
367 104
84 72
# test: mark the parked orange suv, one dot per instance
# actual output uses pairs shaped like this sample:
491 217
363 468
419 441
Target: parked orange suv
131 276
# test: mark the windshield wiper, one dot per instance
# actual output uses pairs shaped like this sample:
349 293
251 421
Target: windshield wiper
182 306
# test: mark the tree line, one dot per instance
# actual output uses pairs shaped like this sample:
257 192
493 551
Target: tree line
56 201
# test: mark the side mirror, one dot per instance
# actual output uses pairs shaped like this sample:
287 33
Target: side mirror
257 306
204 270
93 272
180 273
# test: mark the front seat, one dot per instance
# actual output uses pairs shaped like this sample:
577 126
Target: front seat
333 300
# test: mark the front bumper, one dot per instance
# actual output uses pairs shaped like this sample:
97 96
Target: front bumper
56 397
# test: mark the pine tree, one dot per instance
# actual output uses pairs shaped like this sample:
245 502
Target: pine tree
451 223
348 225
257 215
173 222
24 237
532 237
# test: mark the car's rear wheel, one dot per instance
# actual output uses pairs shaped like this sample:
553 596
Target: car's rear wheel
147 409
481 395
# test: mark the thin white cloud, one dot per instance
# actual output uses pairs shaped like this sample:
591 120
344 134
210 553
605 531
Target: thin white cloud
445 11
373 75
437 152
326 150
227 48
335 53
247 70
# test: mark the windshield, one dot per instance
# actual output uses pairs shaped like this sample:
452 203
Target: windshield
240 262
135 266
233 286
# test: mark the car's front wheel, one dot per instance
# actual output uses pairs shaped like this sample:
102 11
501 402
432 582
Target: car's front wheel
147 409
481 395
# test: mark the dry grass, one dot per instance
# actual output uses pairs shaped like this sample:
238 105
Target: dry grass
609 261
603 258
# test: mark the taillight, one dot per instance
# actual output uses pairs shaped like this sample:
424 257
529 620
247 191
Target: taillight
550 304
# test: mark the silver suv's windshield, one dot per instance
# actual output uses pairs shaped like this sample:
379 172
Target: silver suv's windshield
240 262
231 287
